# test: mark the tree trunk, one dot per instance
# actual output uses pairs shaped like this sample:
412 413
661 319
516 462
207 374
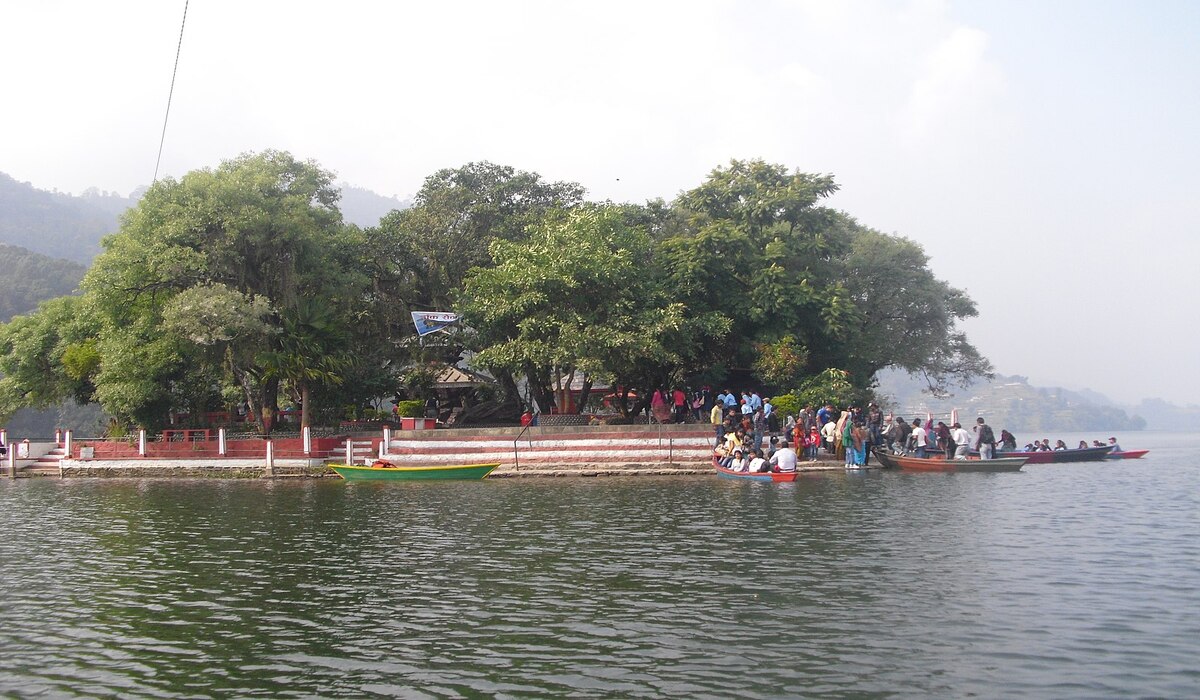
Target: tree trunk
584 393
304 413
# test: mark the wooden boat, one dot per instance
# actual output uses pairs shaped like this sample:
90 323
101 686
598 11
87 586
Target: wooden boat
1090 454
941 464
1126 454
752 476
386 471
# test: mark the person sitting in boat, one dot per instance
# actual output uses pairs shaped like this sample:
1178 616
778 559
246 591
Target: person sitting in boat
1083 444
1097 443
1112 442
739 462
1044 445
1060 445
757 462
733 440
1008 441
784 459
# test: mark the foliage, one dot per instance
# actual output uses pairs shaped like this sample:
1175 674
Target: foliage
786 404
833 386
241 283
411 408
780 362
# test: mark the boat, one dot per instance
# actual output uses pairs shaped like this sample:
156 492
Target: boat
751 476
941 464
383 470
1089 454
1126 454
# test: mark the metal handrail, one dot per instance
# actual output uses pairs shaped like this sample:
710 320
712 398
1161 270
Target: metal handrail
516 457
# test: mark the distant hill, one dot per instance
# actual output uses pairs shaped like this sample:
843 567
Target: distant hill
1161 415
365 208
1012 403
31 278
70 227
56 224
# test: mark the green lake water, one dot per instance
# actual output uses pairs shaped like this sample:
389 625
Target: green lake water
1059 581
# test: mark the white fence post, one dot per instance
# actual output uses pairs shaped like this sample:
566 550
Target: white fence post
67 444
349 451
270 458
141 442
306 434
222 449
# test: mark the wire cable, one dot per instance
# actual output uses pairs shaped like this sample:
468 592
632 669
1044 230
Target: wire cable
171 93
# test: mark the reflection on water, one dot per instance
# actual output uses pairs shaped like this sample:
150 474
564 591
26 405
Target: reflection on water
1059 581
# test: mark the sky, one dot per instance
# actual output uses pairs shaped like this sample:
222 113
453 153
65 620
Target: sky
1045 154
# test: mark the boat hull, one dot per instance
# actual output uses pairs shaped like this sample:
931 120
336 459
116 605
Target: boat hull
917 464
1091 454
1126 454
752 476
461 472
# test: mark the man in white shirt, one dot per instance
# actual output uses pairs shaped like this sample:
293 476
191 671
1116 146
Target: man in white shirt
784 459
962 439
917 438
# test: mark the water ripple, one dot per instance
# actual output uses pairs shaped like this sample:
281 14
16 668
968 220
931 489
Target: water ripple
1059 581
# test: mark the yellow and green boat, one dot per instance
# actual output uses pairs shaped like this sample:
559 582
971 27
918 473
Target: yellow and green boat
386 471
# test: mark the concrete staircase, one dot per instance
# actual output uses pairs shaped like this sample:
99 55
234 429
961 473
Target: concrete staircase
551 451
48 464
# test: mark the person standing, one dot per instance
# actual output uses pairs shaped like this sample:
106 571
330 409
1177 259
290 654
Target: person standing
759 426
874 423
717 420
962 441
918 439
985 439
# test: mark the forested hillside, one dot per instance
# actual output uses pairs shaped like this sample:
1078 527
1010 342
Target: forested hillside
1010 402
56 224
30 278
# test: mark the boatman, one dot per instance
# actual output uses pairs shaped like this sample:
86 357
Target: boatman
784 459
985 439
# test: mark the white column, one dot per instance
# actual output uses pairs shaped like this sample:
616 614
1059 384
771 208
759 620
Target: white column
67 444
12 462
57 437
270 458
306 434
387 439
349 451
141 442
222 449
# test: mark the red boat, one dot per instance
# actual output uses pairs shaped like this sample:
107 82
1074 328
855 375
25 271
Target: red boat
1090 454
941 464
751 476
1126 454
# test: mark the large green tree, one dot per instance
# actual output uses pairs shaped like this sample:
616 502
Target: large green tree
574 297
255 237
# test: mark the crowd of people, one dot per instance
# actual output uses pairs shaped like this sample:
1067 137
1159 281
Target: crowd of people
743 423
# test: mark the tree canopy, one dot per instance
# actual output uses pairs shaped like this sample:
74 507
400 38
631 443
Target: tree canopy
243 284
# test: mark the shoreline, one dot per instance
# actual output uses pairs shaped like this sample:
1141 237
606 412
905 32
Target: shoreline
317 469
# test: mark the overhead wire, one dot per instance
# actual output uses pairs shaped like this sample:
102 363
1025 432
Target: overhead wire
178 49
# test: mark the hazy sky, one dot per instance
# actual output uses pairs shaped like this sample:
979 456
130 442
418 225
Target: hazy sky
1046 154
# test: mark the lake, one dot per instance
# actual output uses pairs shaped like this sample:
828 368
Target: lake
1078 580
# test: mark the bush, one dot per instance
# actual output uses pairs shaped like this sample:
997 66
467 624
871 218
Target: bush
786 405
410 409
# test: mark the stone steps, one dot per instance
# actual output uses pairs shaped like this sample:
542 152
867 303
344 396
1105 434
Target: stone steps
600 450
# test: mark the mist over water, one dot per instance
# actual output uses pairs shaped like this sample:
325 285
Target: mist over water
1058 581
